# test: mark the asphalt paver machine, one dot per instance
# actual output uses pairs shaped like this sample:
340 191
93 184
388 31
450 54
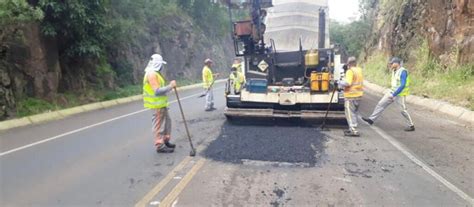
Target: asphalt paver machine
284 83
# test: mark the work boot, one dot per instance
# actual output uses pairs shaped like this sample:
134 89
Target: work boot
350 133
170 145
210 109
164 149
410 129
369 121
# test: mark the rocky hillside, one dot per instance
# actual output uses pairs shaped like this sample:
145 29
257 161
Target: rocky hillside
400 26
36 64
435 38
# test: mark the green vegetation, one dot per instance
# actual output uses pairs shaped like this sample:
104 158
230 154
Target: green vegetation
32 106
452 83
13 15
186 81
92 28
444 80
352 36
376 70
93 38
17 12
81 25
99 29
127 91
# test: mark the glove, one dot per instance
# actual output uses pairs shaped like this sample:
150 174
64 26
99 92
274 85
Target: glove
344 67
391 97
338 85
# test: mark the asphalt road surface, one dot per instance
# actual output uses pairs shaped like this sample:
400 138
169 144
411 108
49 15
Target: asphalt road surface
107 158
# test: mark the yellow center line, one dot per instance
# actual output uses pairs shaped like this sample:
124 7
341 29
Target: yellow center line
147 198
173 195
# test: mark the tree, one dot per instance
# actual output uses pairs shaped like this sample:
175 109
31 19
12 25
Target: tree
210 16
80 26
13 15
184 4
351 36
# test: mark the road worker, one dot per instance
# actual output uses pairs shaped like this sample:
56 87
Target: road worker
398 92
208 82
236 77
155 98
353 92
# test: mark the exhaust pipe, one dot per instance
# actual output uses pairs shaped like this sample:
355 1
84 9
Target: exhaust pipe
322 28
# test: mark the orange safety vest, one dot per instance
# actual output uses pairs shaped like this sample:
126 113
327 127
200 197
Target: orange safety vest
356 80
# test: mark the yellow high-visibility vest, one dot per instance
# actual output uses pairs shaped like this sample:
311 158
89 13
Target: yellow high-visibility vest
396 82
207 77
355 79
150 100
237 79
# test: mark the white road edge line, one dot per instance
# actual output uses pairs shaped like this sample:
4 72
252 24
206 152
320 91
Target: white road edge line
86 127
422 164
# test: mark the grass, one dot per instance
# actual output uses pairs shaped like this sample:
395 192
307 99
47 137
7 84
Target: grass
185 81
452 83
122 92
376 70
31 106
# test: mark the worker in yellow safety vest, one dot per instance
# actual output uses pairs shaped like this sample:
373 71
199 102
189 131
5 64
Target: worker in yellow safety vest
353 92
155 98
208 82
399 91
236 77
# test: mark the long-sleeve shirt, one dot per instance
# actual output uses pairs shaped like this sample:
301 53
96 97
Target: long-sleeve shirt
155 85
403 82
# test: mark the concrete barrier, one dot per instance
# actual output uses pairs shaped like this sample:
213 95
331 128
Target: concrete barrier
467 116
107 104
451 110
56 115
45 117
71 111
14 123
461 113
93 106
